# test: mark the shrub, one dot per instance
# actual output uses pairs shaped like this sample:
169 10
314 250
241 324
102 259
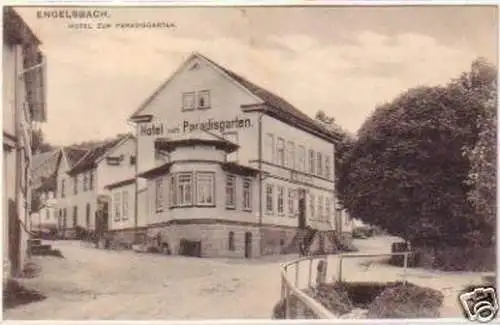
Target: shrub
15 294
279 310
406 301
334 297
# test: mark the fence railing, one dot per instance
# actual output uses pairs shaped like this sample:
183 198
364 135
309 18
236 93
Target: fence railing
297 278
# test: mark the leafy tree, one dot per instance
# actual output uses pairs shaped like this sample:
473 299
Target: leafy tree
38 144
407 171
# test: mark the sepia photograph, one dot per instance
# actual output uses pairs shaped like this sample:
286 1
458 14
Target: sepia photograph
250 162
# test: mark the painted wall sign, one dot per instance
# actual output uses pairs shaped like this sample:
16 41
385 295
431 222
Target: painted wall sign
159 129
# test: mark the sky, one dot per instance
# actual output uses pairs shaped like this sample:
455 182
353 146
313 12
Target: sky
343 60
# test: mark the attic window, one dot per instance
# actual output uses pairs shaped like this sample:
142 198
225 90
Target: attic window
114 161
204 99
195 66
132 160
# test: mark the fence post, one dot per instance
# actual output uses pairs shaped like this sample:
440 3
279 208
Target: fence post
297 274
287 303
283 282
405 266
340 269
310 273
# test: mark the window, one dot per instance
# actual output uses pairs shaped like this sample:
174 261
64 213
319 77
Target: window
204 99
117 206
47 214
291 202
87 215
159 191
205 188
230 241
75 216
328 209
132 160
328 167
301 159
319 161
311 162
125 205
269 198
75 184
269 148
172 191
281 200
230 192
280 152
184 189
312 204
320 208
232 137
247 195
291 155
63 188
85 182
91 180
188 101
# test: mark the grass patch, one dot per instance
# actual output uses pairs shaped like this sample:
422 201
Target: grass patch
379 300
401 300
14 294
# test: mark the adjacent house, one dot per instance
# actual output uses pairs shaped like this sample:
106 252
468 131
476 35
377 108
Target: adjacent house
43 217
82 177
23 104
227 168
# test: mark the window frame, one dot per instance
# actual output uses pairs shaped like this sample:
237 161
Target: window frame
247 181
211 188
75 184
180 197
125 205
185 95
301 157
281 152
230 241
327 167
312 207
75 216
291 202
91 180
312 162
159 194
319 163
87 215
280 199
290 149
199 95
233 186
63 188
117 206
270 144
269 193
320 208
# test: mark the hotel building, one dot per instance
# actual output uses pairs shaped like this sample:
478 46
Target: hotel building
227 168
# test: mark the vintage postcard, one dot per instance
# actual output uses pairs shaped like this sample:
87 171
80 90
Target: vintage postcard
249 162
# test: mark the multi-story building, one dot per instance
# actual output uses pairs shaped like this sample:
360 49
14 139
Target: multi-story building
23 104
226 168
83 175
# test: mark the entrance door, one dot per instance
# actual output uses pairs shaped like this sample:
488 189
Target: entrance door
302 208
248 244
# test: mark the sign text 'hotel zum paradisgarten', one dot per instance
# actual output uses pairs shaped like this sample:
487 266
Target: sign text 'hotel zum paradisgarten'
158 129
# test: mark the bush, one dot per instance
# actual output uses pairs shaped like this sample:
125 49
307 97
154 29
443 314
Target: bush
334 297
406 301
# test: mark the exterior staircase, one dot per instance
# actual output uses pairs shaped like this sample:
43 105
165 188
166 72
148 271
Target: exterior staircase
36 247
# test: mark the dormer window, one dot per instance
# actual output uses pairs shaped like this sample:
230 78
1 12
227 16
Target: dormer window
204 99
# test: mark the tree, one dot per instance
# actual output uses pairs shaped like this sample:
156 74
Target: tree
407 171
482 176
38 144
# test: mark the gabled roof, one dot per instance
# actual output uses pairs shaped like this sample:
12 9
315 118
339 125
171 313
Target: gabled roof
88 161
276 106
44 169
73 155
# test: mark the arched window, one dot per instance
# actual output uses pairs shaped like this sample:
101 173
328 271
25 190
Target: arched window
231 241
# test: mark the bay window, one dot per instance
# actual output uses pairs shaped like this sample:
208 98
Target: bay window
159 191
